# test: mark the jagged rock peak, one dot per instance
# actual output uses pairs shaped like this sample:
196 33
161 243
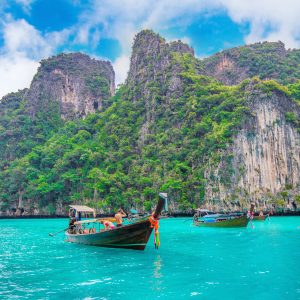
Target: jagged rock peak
179 46
264 59
78 83
80 59
146 36
155 74
277 47
147 40
151 55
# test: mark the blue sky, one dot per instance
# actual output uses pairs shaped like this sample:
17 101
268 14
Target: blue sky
31 30
207 34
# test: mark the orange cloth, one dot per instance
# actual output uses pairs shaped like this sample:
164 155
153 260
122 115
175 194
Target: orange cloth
155 224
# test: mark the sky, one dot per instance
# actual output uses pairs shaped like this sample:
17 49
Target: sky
32 30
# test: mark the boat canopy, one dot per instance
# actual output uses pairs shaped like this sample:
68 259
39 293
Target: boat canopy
212 216
163 195
99 220
82 208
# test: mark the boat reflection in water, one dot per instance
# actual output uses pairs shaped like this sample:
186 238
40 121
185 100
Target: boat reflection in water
157 267
134 234
206 218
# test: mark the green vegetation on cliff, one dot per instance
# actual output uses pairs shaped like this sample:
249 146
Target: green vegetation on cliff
103 159
18 132
266 60
148 139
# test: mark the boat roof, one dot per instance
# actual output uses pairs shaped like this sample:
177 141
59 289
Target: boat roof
163 195
82 208
212 216
111 219
202 210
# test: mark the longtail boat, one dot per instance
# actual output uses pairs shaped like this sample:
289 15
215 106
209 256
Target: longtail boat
205 218
131 235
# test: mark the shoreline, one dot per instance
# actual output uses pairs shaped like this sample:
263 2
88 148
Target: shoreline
174 215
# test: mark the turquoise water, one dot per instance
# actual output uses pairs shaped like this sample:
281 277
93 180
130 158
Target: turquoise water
258 263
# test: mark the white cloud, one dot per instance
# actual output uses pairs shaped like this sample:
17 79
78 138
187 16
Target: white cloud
23 48
177 13
270 20
26 4
121 67
121 19
15 73
21 37
82 35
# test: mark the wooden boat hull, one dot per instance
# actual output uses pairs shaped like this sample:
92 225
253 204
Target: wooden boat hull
235 222
259 218
133 236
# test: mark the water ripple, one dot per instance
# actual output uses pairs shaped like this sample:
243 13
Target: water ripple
191 262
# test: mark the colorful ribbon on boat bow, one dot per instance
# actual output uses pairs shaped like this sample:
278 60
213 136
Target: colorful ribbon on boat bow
155 224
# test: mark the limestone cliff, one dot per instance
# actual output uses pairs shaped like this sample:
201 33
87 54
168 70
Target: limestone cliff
264 158
151 59
176 125
154 76
268 60
77 83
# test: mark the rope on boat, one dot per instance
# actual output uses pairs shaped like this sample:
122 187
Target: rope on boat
155 224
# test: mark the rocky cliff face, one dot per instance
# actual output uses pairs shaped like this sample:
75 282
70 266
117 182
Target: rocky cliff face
268 60
77 83
151 59
264 158
66 86
154 75
171 128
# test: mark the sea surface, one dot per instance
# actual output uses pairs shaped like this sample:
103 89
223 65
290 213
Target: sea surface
198 263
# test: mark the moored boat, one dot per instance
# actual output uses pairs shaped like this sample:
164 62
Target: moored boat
132 235
205 218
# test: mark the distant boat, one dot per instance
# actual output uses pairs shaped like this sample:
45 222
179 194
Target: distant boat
206 218
134 235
